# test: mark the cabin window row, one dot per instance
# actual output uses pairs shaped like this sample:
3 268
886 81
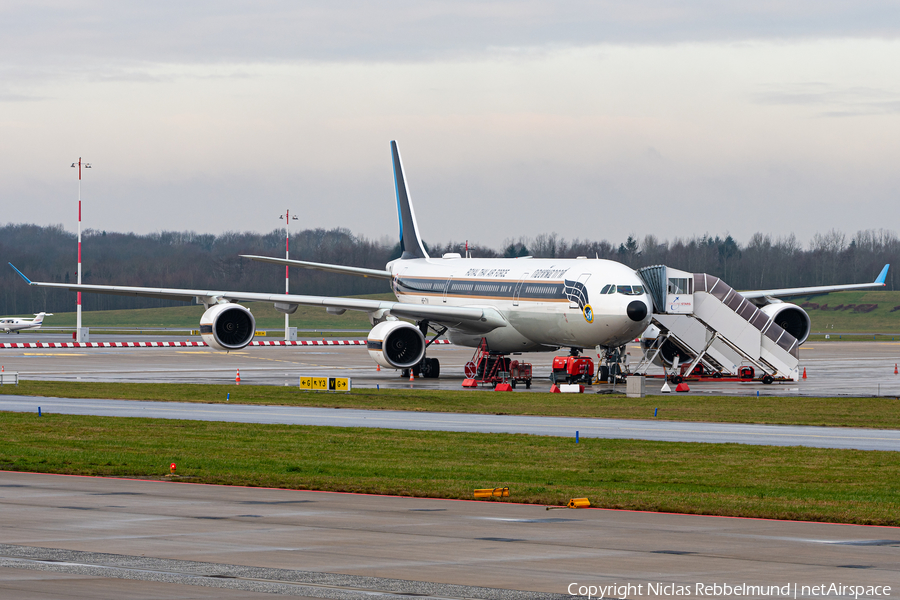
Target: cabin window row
544 290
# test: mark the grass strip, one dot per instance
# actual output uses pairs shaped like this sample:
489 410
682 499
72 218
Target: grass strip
797 483
881 413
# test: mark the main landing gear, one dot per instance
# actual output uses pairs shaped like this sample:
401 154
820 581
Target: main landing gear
428 368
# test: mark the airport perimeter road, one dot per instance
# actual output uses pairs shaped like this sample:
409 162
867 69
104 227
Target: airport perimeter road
833 368
667 431
115 538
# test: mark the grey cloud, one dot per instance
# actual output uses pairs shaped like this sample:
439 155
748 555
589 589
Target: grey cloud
14 97
835 101
72 33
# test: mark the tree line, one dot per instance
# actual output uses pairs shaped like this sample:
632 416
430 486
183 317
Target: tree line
212 262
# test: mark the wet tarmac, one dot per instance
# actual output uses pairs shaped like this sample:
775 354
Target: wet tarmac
82 537
833 368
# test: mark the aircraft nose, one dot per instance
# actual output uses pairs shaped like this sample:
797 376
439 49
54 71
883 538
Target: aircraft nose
636 310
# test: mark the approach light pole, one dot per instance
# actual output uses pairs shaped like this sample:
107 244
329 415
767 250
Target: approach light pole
287 270
80 165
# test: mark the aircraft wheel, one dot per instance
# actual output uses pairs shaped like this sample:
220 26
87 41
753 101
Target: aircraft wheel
603 373
431 368
768 379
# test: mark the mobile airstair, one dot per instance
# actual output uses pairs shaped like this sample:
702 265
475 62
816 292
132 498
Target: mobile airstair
716 327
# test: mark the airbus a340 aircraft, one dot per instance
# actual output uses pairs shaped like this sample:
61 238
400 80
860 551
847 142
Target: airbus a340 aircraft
17 324
515 304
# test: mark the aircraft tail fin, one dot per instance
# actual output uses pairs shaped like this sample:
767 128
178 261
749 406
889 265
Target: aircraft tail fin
410 242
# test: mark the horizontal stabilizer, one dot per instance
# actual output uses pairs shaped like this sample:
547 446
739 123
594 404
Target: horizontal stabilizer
375 273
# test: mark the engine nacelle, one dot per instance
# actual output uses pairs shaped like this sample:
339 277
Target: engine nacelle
396 344
789 317
227 326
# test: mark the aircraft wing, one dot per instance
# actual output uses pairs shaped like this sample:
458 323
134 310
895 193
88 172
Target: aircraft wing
470 318
376 273
822 289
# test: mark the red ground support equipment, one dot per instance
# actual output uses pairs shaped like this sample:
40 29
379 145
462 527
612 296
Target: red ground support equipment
572 369
486 368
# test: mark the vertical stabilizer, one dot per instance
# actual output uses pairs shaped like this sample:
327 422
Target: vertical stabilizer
410 243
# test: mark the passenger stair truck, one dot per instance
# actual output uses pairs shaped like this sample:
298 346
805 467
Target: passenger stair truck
716 327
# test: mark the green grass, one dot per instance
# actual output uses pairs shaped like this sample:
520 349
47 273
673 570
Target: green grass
188 316
880 412
718 479
864 337
880 320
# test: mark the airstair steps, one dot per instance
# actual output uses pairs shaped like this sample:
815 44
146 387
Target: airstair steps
708 320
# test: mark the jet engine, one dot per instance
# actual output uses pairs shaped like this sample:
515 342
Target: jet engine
396 344
227 326
789 317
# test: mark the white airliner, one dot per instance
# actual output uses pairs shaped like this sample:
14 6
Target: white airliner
515 304
9 324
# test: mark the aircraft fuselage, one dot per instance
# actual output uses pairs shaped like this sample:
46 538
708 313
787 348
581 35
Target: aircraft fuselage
548 303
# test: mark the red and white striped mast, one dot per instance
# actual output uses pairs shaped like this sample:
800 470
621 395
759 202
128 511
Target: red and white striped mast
287 270
79 164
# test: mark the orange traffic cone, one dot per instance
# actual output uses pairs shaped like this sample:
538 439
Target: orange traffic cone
804 372
895 369
377 367
237 379
411 376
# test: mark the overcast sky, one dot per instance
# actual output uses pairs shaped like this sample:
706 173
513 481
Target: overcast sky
589 119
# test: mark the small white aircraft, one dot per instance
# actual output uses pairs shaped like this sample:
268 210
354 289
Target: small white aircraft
514 304
9 324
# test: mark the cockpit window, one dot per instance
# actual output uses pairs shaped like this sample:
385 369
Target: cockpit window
605 289
631 290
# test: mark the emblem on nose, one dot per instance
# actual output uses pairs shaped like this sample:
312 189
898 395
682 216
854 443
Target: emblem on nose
588 313
636 310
